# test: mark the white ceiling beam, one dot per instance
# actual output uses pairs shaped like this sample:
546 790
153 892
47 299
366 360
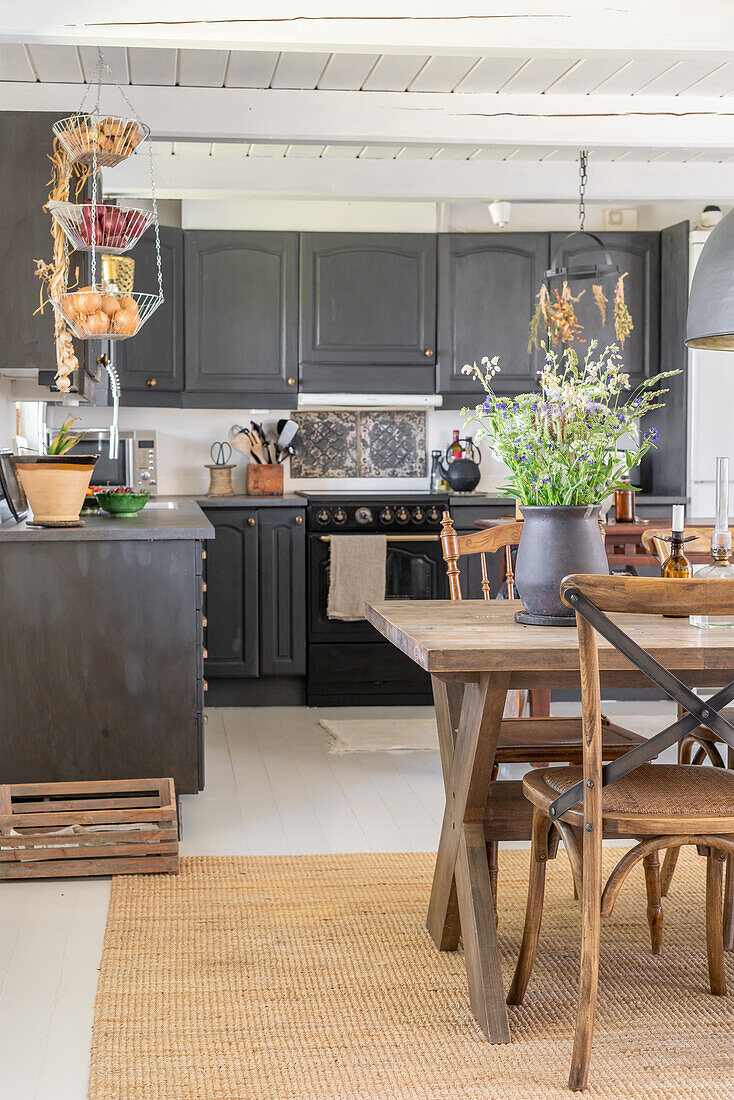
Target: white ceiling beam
222 114
434 181
541 26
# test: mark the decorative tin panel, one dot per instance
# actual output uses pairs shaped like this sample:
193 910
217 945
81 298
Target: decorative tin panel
326 445
392 444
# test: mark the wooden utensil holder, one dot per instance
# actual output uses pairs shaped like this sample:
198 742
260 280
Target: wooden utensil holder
265 480
36 818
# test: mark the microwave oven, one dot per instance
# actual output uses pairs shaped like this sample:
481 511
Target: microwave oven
136 462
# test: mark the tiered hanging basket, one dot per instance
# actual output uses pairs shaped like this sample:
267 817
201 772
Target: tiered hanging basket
108 309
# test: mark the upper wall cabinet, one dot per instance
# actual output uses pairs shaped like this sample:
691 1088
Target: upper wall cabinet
487 284
241 294
368 313
152 362
639 255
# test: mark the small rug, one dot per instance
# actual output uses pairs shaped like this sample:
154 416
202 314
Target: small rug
381 734
313 978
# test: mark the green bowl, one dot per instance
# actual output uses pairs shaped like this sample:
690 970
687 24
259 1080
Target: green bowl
122 504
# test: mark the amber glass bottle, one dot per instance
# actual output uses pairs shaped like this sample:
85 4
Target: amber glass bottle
676 564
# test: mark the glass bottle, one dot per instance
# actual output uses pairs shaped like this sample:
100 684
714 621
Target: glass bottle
720 567
677 564
436 472
456 446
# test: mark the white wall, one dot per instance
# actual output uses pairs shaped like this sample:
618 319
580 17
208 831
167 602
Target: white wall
185 435
7 413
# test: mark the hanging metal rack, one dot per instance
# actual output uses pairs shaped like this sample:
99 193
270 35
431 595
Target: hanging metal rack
104 311
570 273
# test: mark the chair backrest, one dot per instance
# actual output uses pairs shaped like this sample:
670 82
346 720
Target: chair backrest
590 596
454 547
655 544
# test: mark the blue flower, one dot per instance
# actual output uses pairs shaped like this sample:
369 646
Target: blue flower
652 436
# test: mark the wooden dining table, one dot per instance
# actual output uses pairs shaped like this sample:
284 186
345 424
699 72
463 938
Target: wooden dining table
476 652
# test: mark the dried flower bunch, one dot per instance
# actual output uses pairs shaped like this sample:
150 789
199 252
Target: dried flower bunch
564 445
622 321
53 275
554 314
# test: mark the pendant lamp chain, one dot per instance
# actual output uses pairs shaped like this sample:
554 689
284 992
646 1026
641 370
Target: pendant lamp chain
583 180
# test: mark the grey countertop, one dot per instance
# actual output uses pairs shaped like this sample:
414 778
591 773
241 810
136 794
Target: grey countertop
241 500
184 521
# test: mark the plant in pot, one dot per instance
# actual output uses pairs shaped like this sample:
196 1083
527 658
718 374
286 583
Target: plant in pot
56 482
566 448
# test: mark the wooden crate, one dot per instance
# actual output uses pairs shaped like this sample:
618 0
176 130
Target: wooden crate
37 819
265 480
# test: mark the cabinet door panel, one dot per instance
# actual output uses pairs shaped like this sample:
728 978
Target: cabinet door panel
153 360
282 592
241 303
639 255
487 285
232 628
368 300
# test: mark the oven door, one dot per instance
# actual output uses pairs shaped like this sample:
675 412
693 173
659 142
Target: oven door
107 471
414 570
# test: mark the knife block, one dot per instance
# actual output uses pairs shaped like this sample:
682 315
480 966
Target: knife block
265 480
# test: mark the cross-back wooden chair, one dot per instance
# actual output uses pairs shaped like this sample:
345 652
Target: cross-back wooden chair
700 745
659 806
526 740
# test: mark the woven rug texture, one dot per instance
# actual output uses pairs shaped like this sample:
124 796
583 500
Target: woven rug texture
313 978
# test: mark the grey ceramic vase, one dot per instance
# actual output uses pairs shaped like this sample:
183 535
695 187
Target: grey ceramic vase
556 540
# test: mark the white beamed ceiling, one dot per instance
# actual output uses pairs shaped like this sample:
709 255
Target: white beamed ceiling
658 73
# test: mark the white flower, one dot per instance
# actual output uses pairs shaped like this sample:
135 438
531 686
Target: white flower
468 368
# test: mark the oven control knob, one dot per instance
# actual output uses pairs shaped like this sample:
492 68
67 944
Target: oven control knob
402 515
363 516
323 515
387 515
418 516
339 516
432 514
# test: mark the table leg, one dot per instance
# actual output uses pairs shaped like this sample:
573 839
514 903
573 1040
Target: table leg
445 926
461 863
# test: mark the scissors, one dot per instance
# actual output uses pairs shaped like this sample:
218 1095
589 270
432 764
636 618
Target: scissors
220 453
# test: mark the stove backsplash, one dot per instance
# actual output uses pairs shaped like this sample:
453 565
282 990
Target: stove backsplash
360 443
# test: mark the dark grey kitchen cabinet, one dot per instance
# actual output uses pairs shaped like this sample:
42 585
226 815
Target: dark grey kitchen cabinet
152 362
637 253
282 592
231 596
241 314
367 313
487 283
255 600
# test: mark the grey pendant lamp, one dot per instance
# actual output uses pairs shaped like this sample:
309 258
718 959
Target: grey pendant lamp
711 301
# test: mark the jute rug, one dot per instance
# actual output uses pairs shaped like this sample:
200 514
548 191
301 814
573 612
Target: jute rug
313 978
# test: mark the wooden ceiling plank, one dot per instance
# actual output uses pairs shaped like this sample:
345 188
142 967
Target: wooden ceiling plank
442 74
394 72
719 82
678 78
152 66
56 64
202 68
585 76
537 75
342 152
630 78
305 152
489 74
250 68
115 57
299 70
267 149
15 63
379 152
456 152
347 72
418 152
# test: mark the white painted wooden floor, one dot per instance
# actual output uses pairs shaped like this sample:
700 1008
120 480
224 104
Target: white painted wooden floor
271 788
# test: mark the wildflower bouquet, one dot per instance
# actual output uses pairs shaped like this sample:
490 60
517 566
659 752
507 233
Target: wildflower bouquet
563 445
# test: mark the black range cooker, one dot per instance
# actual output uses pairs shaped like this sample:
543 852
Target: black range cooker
350 663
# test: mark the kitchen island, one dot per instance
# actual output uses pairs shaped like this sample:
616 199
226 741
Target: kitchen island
101 653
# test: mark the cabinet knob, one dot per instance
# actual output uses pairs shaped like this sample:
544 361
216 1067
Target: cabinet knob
152 382
204 622
206 686
206 653
291 381
251 521
205 720
203 587
429 353
298 520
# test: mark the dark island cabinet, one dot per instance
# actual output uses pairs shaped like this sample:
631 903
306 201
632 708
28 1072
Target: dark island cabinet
638 254
231 595
153 362
255 602
368 313
241 296
487 287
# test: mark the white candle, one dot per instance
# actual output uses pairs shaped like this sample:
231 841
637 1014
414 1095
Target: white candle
678 518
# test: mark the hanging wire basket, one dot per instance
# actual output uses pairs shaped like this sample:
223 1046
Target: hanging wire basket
101 314
107 228
105 141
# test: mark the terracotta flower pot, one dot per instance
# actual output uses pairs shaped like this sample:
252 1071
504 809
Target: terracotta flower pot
55 485
556 540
